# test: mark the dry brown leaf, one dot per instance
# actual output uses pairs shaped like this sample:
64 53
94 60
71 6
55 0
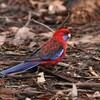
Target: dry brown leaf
82 10
22 35
56 6
13 29
4 33
93 72
38 3
96 94
3 5
59 93
1 82
2 39
90 39
41 78
28 99
7 91
33 43
74 91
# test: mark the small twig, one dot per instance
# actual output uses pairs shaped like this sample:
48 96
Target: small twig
42 25
63 22
11 53
21 77
63 64
4 17
79 90
1 28
15 86
88 85
29 19
81 85
92 77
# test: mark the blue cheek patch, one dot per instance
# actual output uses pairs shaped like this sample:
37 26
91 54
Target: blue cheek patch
65 37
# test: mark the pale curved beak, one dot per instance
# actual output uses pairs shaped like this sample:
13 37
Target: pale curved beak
69 35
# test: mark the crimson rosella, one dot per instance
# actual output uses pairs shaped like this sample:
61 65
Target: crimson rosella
49 54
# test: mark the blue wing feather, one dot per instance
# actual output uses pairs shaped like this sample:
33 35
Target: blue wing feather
57 55
24 66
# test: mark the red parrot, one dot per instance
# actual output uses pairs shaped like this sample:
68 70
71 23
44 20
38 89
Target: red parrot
50 53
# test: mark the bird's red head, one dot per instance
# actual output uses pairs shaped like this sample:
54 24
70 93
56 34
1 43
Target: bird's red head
62 33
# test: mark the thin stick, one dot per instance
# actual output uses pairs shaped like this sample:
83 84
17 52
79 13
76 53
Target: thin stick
63 64
42 25
92 77
29 19
63 22
84 85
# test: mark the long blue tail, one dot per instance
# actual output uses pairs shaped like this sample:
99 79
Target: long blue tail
24 66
